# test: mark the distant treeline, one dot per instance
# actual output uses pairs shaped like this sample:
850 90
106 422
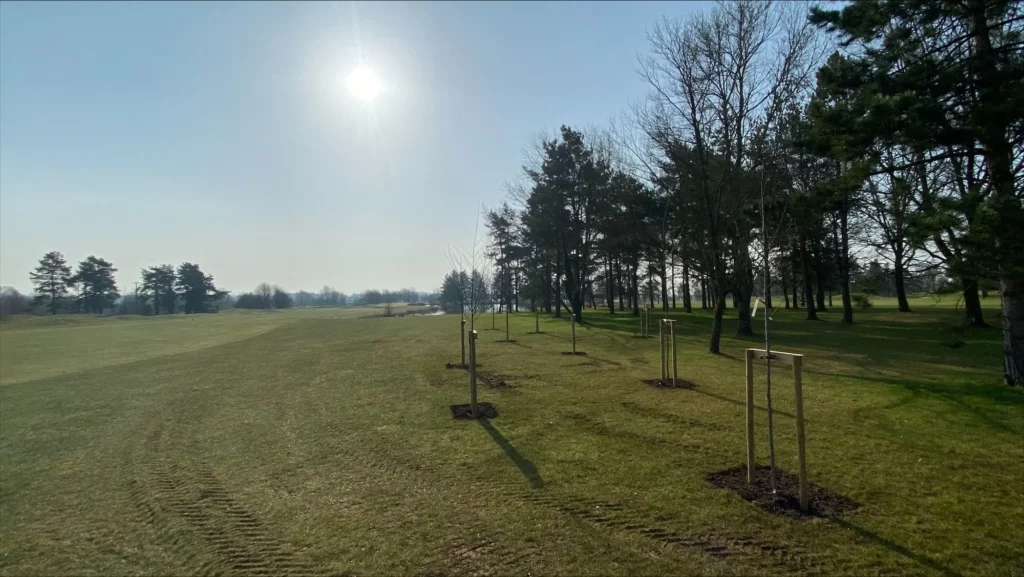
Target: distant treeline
165 289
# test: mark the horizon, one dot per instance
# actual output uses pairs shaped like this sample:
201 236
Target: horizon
224 135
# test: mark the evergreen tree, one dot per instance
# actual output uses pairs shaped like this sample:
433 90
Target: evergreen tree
158 287
51 279
196 289
945 80
98 287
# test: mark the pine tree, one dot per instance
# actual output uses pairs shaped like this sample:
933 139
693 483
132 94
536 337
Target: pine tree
945 79
158 286
196 289
51 279
98 287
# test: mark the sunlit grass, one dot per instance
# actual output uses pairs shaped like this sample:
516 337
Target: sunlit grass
301 442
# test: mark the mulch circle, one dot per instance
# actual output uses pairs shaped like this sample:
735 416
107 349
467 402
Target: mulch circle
465 413
660 384
459 366
577 353
639 337
506 341
786 500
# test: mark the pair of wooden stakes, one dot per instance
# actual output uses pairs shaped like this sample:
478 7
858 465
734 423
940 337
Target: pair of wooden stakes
668 343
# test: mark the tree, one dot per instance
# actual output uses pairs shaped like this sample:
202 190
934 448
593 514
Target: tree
158 287
569 193
196 288
249 301
451 298
719 83
51 279
265 293
945 79
13 302
98 287
282 300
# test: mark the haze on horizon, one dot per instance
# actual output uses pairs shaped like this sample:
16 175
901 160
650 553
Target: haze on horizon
229 135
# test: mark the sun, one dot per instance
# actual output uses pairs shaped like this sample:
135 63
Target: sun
364 84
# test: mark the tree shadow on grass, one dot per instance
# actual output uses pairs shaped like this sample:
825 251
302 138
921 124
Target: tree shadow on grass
526 467
896 548
743 403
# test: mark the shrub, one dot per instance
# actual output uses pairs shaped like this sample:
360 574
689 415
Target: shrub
861 301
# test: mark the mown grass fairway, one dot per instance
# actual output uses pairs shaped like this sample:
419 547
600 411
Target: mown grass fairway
320 442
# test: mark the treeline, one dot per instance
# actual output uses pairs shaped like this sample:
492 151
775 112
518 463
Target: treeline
165 289
760 165
91 288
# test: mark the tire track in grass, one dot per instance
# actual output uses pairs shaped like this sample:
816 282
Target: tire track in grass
716 549
171 497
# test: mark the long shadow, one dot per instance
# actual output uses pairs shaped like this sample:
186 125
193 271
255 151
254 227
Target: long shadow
525 466
896 548
742 403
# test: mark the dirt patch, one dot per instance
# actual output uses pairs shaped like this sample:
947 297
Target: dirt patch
669 384
640 337
786 501
484 410
460 366
577 353
506 341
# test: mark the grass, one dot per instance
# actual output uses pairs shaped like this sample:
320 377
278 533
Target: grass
320 442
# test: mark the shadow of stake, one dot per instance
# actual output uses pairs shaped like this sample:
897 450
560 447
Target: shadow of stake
525 466
896 548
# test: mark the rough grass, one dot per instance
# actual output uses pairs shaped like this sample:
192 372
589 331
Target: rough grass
298 443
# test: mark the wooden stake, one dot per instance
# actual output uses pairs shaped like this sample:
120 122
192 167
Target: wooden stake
750 415
472 373
574 334
798 363
463 340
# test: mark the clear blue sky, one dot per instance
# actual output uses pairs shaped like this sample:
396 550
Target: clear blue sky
223 134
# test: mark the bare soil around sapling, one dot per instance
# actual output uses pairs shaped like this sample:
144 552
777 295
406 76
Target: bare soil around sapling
465 412
670 384
785 500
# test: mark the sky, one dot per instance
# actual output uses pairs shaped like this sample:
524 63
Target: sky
223 133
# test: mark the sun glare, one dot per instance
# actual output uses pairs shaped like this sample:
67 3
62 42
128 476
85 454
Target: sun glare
363 83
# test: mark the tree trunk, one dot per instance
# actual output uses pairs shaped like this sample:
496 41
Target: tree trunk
703 293
664 286
716 322
1005 203
792 273
972 305
819 277
673 277
650 284
808 290
844 263
687 299
901 291
558 288
1013 331
547 286
785 286
636 289
609 283
744 294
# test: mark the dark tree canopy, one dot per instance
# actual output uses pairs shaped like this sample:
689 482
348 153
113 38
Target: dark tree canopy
98 289
196 289
50 279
